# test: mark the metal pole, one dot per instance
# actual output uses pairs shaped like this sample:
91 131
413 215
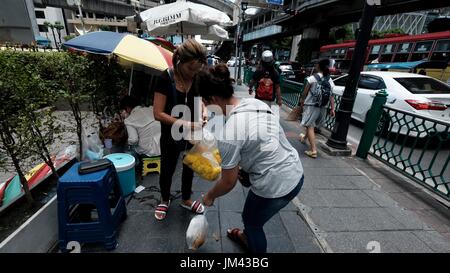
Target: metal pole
239 80
338 139
237 47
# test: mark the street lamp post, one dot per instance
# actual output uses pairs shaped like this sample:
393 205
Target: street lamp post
338 139
244 6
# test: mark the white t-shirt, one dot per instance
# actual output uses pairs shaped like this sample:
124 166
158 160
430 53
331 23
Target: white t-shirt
144 131
256 142
313 82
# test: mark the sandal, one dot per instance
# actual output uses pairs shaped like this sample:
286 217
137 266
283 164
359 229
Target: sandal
233 234
196 207
302 138
311 154
162 210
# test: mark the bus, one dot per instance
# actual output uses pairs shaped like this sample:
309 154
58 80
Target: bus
397 48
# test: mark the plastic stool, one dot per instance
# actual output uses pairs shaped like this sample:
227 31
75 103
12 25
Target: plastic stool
78 195
151 165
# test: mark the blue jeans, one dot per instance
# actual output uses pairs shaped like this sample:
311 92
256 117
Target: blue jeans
259 210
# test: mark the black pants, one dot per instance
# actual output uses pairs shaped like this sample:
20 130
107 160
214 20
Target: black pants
170 152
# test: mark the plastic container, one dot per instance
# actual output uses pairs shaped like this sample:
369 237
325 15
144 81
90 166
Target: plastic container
125 164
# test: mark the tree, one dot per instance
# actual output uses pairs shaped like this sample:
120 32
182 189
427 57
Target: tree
58 26
104 28
75 84
68 37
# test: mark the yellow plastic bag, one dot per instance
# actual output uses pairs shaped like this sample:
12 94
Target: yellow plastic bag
204 158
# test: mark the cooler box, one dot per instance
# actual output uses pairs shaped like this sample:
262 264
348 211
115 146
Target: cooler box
125 164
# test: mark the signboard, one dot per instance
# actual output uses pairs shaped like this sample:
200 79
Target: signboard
275 2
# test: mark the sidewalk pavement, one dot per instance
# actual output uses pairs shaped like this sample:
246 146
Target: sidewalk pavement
345 204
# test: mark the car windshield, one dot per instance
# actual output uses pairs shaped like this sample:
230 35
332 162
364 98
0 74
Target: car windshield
424 85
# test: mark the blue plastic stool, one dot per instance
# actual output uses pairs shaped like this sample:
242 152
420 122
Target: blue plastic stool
80 194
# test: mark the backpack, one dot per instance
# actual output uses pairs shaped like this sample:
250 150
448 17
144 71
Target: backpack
265 89
322 92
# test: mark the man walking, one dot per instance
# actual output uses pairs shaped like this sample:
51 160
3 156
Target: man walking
267 81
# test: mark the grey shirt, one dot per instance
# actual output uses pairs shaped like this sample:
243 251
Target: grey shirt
257 143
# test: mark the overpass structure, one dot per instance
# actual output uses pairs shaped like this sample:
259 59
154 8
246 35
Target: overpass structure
313 19
123 8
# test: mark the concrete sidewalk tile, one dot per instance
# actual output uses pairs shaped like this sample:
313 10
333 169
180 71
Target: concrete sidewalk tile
407 218
290 207
362 182
300 234
230 220
233 201
279 244
200 185
323 162
381 198
347 199
409 201
311 198
331 171
393 185
390 242
436 220
434 240
151 245
354 219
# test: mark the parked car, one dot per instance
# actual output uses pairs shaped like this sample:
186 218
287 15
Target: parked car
420 95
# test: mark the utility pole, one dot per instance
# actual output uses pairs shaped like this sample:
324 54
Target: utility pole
238 31
338 139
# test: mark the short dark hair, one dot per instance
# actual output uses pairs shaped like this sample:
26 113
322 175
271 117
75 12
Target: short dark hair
128 101
215 81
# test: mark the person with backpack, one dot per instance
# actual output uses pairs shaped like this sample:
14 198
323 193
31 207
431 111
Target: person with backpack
317 94
267 81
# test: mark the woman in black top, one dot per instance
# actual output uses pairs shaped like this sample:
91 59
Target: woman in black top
175 87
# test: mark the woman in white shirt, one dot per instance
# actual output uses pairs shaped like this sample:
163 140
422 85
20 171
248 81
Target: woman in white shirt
252 143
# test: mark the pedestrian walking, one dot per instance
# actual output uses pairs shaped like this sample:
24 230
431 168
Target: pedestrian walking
175 88
263 159
266 79
317 94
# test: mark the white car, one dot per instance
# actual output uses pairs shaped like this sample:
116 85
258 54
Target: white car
233 61
421 95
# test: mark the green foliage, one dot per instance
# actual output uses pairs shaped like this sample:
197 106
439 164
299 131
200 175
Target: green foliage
69 37
31 82
104 28
380 34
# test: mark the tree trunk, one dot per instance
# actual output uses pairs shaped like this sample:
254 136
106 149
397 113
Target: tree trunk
54 38
23 181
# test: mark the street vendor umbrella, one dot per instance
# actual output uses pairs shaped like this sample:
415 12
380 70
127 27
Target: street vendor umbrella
161 42
184 18
130 49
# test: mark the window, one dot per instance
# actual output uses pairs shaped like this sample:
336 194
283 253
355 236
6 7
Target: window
387 53
374 52
42 28
424 85
341 81
423 46
442 51
404 48
403 51
40 14
372 83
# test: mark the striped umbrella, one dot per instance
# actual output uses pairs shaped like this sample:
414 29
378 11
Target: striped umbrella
130 49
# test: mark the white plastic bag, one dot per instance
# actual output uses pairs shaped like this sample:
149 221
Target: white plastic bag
204 158
92 147
197 232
